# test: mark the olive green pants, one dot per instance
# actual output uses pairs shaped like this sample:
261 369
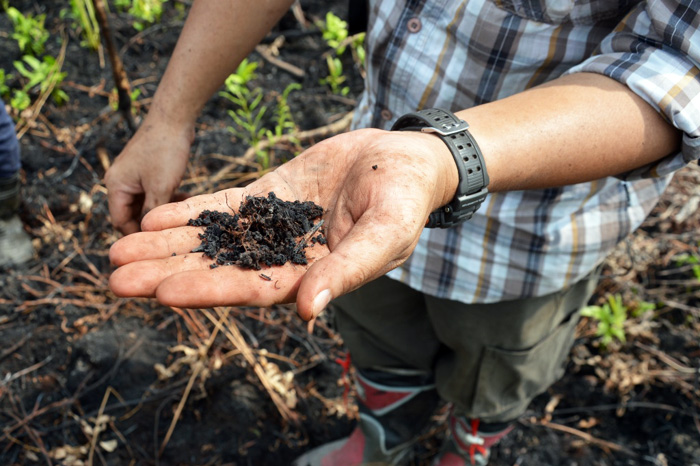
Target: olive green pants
488 360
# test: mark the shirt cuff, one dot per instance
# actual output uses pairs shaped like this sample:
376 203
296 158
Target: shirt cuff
655 52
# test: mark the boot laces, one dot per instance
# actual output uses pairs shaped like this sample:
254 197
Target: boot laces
476 443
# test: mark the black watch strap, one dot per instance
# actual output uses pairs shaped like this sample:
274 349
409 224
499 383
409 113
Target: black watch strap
473 179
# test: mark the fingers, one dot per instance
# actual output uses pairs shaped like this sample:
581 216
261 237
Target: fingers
177 214
142 278
124 209
154 198
154 245
229 286
188 281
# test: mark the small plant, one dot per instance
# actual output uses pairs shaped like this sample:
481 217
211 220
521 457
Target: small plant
611 318
284 124
46 74
114 99
29 31
249 111
642 308
692 260
358 48
237 83
20 100
144 11
335 33
336 77
84 11
4 88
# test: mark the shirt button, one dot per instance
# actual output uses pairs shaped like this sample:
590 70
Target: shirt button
386 115
413 25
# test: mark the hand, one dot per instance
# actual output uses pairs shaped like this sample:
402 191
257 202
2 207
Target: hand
147 172
377 189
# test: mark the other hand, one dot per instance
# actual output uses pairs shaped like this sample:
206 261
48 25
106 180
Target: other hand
147 173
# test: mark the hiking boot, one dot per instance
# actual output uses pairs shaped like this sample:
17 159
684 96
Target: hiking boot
470 442
15 244
394 407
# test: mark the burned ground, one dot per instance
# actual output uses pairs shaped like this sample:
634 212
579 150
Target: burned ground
89 377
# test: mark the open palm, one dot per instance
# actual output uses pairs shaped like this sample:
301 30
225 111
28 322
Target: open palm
376 187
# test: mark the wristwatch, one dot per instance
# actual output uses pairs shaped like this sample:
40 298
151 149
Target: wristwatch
473 178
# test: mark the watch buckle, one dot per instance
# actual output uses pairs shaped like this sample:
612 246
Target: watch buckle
446 129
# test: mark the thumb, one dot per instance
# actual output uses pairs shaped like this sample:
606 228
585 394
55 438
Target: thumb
124 209
364 254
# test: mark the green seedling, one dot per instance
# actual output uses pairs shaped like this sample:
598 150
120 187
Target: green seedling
335 78
237 83
335 32
145 12
114 99
358 48
4 88
29 31
611 318
20 100
642 308
42 74
84 12
249 111
690 259
284 124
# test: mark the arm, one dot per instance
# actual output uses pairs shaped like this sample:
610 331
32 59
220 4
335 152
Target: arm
563 132
216 37
577 128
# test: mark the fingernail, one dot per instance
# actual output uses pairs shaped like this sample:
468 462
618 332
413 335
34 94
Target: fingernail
320 302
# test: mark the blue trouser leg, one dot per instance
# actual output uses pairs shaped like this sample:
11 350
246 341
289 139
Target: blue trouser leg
9 146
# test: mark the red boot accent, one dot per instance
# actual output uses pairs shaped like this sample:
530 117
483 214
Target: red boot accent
350 454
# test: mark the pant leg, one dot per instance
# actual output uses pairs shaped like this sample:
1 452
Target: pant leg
385 324
9 146
497 358
489 360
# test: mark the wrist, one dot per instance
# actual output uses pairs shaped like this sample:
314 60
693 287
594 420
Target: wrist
447 174
168 127
163 114
467 158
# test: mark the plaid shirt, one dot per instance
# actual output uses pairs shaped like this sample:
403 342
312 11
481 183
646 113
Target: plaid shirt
457 54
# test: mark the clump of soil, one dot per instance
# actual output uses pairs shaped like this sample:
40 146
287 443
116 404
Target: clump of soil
265 231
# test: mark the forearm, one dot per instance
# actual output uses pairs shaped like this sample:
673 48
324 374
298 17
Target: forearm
216 37
574 129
